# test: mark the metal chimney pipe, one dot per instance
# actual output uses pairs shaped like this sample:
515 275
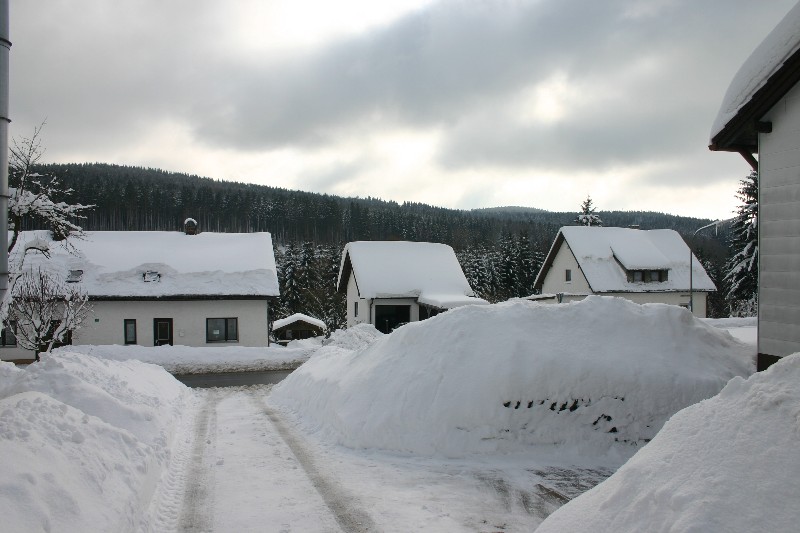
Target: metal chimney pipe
5 48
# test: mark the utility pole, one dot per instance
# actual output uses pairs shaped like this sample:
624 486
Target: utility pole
5 48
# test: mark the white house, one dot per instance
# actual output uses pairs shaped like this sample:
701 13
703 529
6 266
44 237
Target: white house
393 282
760 113
157 287
644 266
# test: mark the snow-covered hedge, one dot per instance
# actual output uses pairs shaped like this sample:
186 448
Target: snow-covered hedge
730 463
84 441
504 377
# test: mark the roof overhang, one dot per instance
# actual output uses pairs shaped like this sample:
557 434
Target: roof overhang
740 133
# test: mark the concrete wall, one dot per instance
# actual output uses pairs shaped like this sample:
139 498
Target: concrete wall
104 325
779 230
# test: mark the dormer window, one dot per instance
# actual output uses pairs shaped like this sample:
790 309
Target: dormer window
648 276
150 276
74 276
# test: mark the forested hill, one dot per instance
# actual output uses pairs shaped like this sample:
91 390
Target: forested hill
133 198
500 249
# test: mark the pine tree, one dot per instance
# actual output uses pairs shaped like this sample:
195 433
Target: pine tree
741 276
587 216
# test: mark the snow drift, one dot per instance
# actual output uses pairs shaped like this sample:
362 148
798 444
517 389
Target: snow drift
725 464
76 430
507 376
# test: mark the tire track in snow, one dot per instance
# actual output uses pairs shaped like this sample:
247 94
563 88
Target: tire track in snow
167 499
196 511
349 517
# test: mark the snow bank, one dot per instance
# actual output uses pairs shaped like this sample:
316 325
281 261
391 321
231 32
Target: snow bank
357 337
726 464
198 360
504 377
84 441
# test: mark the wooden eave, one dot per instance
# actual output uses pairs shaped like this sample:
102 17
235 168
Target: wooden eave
548 262
179 298
740 134
344 274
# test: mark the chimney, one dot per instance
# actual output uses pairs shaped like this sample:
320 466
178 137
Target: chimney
190 226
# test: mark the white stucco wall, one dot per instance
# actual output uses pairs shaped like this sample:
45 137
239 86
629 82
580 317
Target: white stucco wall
779 229
363 304
105 323
555 279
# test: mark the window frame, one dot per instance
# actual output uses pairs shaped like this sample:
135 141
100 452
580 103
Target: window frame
125 323
225 329
355 309
568 275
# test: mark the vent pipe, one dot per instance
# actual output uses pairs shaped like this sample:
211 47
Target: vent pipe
5 48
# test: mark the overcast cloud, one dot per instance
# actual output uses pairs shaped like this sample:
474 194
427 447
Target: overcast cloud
456 103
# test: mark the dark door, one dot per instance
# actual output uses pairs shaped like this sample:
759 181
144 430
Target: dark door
388 317
162 331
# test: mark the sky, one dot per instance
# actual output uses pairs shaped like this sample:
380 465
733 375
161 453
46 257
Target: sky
455 103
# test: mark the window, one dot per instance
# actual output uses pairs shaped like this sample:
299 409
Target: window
151 276
648 276
355 309
74 276
568 276
638 276
222 329
130 331
8 336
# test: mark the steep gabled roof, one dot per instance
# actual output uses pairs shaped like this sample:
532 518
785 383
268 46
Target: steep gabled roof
767 75
427 271
163 264
604 255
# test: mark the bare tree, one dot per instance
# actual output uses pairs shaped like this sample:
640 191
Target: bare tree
32 195
45 310
32 203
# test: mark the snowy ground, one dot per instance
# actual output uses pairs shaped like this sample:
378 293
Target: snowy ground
90 443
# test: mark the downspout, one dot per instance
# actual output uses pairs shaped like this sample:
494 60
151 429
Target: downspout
5 47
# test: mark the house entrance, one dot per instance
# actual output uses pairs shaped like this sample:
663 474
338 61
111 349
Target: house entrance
162 331
388 317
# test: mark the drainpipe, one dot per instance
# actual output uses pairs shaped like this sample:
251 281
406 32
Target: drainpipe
5 47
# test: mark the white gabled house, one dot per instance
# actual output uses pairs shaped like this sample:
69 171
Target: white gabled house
157 287
760 113
644 266
389 283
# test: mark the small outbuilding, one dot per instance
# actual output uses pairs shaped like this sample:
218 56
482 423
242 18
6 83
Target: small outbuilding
644 266
297 326
389 283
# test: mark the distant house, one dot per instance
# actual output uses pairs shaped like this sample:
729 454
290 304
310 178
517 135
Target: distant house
644 266
389 283
761 114
297 326
157 287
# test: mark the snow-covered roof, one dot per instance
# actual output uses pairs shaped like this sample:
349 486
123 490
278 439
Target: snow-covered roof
763 65
299 317
604 255
427 271
116 264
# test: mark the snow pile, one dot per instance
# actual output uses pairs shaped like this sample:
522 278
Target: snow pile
198 360
504 377
84 441
720 465
354 338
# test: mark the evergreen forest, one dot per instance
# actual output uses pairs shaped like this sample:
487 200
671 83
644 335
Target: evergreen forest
500 249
